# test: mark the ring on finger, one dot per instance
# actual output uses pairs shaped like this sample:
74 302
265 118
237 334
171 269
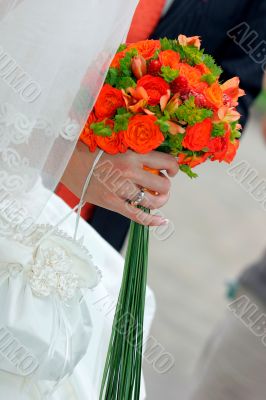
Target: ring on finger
138 198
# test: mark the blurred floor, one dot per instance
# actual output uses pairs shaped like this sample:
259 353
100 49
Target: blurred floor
220 229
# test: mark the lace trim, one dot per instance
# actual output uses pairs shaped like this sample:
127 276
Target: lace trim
54 267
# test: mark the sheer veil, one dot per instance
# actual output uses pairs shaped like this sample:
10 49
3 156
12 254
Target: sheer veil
54 55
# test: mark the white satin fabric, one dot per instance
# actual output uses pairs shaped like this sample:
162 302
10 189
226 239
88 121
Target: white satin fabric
84 384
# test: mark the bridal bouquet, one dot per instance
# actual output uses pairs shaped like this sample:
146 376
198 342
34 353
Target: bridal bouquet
164 95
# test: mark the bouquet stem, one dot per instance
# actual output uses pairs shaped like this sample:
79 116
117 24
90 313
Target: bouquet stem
122 372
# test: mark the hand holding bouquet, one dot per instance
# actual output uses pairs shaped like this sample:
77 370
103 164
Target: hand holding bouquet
166 95
158 95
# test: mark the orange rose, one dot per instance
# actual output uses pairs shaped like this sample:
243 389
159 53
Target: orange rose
146 48
191 161
203 68
192 74
87 136
169 58
109 100
198 136
112 144
214 95
142 134
155 86
116 60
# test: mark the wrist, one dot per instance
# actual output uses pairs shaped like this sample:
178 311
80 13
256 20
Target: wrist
78 168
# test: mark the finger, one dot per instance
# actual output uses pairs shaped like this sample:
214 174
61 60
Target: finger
156 183
154 202
161 161
127 190
139 216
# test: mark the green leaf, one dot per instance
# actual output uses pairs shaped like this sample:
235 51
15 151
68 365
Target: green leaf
190 113
218 130
156 55
187 170
211 64
191 54
209 78
235 133
100 129
122 47
121 121
169 74
163 124
175 143
112 76
121 111
156 110
166 44
125 82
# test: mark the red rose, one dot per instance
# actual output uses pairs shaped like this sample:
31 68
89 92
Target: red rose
198 136
203 68
87 136
112 144
155 86
231 151
146 48
142 134
218 147
109 100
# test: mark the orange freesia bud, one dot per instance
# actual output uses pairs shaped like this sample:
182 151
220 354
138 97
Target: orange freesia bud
139 93
138 107
174 128
139 66
127 98
164 100
189 41
148 112
173 104
192 161
226 114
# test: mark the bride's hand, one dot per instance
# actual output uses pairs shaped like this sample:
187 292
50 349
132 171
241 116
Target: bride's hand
119 177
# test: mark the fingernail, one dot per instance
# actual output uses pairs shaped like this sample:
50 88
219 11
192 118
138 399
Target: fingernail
165 221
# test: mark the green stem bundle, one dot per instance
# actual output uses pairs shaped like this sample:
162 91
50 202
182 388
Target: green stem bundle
122 372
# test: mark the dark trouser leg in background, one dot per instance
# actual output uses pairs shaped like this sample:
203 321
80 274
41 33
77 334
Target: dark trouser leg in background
111 226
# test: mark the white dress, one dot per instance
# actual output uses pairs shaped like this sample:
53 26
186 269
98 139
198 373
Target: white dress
54 55
84 384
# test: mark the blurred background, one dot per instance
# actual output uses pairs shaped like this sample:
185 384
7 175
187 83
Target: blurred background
219 230
219 226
